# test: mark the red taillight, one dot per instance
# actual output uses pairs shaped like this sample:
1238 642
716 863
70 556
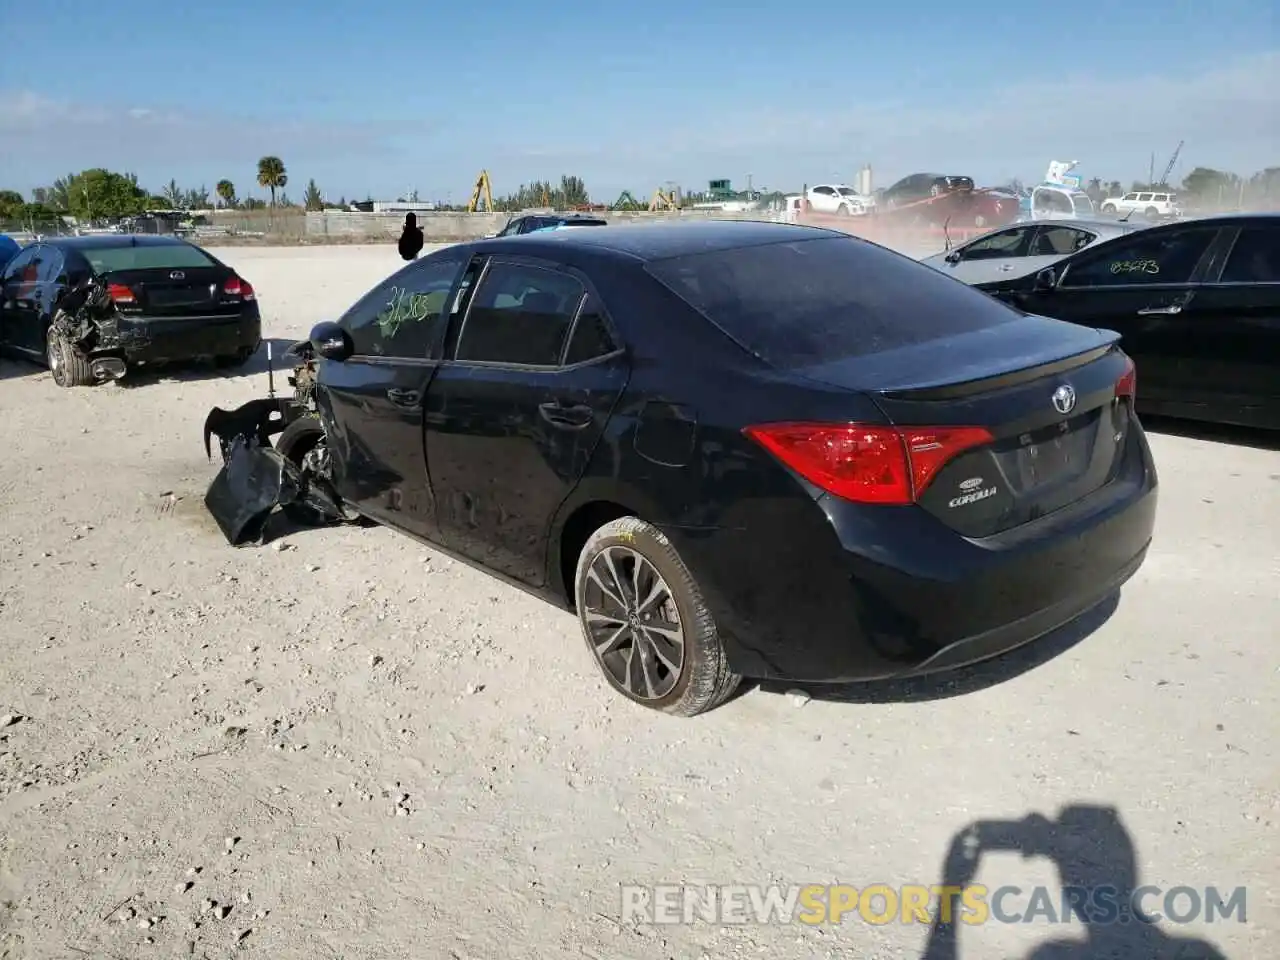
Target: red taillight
867 463
1127 385
236 287
120 293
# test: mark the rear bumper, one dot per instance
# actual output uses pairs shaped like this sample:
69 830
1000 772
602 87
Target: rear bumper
154 340
850 592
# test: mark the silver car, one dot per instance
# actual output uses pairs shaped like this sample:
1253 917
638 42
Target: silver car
1018 249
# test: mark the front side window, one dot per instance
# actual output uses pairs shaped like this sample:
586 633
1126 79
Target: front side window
519 314
1006 243
1168 257
401 316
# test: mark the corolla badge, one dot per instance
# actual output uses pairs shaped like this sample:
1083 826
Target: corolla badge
1064 399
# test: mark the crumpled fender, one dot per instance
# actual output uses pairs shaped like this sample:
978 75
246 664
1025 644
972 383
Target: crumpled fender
258 420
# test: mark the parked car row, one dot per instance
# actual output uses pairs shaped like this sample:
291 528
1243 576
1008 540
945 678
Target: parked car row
742 449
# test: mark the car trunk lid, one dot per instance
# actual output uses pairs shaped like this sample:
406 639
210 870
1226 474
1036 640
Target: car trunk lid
176 292
1049 394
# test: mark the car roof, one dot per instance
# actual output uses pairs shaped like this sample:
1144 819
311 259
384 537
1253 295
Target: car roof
107 241
659 241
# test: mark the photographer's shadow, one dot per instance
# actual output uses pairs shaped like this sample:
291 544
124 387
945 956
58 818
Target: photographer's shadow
1093 851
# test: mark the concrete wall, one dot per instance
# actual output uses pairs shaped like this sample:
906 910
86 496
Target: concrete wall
468 226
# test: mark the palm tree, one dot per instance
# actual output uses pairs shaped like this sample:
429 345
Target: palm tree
227 191
271 174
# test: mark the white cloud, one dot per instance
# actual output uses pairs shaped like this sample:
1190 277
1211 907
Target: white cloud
1228 114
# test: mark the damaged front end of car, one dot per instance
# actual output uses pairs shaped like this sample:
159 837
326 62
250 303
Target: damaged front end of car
256 477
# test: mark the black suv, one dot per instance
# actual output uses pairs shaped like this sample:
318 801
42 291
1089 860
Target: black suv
540 221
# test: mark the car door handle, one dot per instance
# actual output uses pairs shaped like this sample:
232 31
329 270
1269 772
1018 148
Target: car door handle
403 398
573 416
1169 310
1006 267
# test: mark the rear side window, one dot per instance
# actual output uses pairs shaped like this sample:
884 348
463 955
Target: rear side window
591 335
816 301
175 256
519 315
1255 258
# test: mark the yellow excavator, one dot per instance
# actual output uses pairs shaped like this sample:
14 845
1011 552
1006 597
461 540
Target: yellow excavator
483 187
663 201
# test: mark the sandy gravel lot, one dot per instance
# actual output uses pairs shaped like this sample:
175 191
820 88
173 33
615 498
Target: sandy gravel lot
356 748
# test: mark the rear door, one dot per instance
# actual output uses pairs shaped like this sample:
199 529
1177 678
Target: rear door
372 402
51 283
1139 286
513 415
1231 367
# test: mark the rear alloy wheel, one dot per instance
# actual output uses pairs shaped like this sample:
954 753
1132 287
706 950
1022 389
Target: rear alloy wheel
1152 213
646 622
1108 208
70 367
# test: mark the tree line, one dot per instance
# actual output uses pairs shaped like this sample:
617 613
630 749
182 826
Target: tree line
99 194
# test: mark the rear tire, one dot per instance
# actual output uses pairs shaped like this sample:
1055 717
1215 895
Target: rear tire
294 443
237 359
1108 208
645 621
1152 213
70 367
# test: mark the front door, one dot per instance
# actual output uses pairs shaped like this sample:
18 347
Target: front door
372 402
514 414
1140 287
20 302
997 256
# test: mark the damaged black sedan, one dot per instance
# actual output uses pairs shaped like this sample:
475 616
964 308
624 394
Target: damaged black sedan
92 307
733 449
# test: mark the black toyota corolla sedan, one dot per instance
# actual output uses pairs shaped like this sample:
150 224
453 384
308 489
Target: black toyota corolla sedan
736 449
91 307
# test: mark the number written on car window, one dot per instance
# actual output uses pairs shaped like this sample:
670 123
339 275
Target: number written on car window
401 317
1169 257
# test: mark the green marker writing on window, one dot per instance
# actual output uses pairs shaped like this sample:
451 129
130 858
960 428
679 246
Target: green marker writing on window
406 307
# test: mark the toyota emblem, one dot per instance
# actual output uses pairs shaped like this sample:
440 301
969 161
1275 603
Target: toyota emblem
177 275
1064 399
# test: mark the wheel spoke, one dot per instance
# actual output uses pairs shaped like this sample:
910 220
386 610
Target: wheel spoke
671 654
648 669
611 592
616 577
657 593
613 641
666 629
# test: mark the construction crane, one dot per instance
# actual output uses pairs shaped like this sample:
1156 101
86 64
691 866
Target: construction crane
482 187
1164 178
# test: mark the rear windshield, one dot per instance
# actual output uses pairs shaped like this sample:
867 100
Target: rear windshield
816 301
172 256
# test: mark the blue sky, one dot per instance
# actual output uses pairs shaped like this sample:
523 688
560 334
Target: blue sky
384 96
